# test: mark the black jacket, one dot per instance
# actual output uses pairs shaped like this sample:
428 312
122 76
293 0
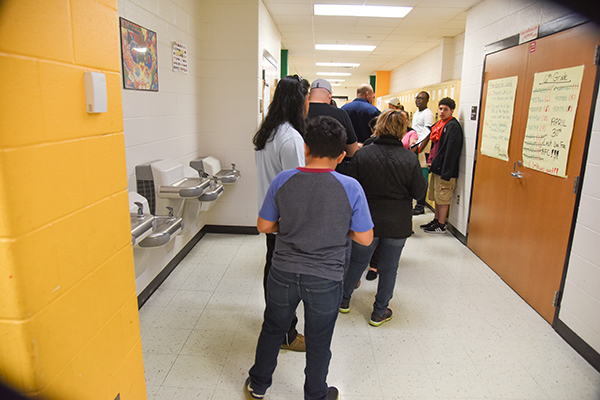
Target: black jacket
391 177
447 159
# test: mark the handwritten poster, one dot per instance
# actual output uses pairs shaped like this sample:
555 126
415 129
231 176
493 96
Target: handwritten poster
552 112
497 123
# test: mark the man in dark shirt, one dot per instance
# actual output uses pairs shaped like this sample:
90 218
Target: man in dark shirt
361 111
320 99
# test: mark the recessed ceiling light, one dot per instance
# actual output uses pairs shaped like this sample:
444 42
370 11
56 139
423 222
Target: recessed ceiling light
344 47
341 65
361 11
336 84
334 73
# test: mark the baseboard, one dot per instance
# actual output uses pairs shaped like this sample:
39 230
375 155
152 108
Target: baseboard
236 230
461 238
160 278
578 344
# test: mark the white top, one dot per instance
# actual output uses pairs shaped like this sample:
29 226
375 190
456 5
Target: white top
285 151
420 120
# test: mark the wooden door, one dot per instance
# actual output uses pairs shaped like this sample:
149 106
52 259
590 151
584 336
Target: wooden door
521 227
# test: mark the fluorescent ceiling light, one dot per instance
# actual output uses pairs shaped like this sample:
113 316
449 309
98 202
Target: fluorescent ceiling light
341 65
335 80
344 47
361 11
334 73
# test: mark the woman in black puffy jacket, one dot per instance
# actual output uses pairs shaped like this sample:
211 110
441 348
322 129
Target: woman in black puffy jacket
391 178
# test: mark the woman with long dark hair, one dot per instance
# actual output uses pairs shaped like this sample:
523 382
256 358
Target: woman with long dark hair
391 177
279 146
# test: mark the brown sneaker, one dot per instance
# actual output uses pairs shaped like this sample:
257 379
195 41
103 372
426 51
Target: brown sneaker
297 345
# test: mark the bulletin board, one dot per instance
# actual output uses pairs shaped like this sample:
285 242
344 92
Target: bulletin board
524 197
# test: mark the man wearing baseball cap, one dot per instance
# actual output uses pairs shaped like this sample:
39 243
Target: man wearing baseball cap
320 99
394 104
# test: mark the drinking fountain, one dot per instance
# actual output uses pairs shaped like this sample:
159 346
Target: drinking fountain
166 228
142 223
211 166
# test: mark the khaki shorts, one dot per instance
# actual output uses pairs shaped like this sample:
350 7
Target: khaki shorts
440 190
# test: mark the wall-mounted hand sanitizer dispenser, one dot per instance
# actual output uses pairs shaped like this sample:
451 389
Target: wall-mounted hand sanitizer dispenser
95 92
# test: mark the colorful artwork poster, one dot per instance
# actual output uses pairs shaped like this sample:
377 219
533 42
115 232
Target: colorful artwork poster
497 123
552 111
138 51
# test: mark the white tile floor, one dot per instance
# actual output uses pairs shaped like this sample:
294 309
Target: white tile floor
458 332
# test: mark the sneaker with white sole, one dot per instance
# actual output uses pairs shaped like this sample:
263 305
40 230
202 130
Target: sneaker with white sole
436 229
251 393
430 223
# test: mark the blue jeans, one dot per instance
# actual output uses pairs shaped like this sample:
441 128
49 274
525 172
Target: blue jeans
389 256
321 299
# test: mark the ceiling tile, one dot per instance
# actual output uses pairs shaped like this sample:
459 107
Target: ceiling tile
398 41
290 8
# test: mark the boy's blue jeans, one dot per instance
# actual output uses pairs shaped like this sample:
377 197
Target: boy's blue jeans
387 267
321 299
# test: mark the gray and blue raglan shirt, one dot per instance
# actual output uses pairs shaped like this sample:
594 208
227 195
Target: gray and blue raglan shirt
315 208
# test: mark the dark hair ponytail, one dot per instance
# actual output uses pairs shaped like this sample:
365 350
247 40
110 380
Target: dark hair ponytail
287 106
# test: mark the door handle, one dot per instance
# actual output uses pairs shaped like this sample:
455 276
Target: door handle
515 173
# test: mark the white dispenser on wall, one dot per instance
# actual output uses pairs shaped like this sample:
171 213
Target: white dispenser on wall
96 99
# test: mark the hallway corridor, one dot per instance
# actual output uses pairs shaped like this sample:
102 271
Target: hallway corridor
458 332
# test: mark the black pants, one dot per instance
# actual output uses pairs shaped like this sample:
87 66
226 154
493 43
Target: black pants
292 332
422 202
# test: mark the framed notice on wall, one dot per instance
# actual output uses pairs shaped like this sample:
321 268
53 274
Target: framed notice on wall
138 54
552 110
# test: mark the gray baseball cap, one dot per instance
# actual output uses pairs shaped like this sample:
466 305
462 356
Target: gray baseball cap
322 84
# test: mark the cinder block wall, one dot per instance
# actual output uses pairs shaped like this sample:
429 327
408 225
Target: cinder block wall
69 325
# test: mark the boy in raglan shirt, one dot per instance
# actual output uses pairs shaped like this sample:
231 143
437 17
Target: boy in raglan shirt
315 212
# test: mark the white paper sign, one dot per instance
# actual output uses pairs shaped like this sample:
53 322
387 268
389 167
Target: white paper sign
180 61
497 123
552 112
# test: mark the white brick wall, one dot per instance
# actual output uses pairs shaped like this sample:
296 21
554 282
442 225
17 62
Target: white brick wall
580 306
211 111
488 22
